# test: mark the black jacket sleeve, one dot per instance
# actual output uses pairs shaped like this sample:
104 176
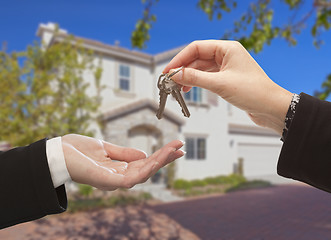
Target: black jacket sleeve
26 187
306 152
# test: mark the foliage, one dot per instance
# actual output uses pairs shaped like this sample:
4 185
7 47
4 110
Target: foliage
256 26
171 168
218 184
43 93
182 184
199 183
140 35
87 204
249 185
232 179
85 190
326 89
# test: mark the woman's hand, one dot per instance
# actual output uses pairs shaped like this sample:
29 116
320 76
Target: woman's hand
91 161
226 68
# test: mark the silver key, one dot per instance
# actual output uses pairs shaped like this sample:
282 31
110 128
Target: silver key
162 94
163 100
166 86
178 96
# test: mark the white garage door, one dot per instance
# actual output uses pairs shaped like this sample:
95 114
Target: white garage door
259 159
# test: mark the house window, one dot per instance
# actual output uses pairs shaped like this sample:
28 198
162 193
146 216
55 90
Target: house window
195 95
195 148
124 77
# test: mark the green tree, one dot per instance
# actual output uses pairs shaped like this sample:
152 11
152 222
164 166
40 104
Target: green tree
43 92
256 26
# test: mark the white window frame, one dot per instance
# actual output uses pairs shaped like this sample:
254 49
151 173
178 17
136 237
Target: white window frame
125 78
195 154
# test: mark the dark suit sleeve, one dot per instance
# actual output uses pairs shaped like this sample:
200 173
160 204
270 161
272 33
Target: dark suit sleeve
26 187
306 152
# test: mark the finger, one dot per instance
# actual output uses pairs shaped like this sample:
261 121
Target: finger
205 50
209 65
193 77
175 144
166 156
108 179
123 153
186 88
141 170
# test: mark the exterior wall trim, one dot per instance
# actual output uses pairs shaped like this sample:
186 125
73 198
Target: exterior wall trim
250 130
138 105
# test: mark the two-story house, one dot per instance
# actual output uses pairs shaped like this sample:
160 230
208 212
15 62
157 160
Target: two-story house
217 134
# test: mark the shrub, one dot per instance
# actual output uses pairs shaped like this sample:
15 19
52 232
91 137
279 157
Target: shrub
198 183
85 190
170 174
249 185
182 184
112 201
216 180
232 179
145 196
235 179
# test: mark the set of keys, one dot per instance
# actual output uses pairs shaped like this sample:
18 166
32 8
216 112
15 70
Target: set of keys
167 86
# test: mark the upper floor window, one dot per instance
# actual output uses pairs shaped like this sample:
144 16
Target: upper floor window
195 148
195 95
124 77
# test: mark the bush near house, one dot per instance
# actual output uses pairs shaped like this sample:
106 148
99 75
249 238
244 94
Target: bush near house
218 184
249 185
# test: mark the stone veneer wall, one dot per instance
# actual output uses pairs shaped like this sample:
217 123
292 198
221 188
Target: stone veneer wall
116 130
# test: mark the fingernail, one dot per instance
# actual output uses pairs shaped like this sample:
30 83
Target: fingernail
182 151
183 142
146 156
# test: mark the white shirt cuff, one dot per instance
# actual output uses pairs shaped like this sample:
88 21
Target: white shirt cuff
56 161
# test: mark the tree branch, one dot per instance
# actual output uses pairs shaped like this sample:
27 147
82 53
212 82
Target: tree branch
322 3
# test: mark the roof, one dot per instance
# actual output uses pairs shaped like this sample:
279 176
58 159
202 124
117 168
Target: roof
108 49
139 105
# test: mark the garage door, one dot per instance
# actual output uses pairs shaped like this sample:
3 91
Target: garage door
259 159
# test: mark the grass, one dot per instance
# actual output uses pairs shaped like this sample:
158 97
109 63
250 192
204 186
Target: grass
218 184
249 185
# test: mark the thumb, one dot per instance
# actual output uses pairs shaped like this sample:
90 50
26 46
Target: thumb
195 78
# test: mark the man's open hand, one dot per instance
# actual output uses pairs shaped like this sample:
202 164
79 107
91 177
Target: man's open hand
91 161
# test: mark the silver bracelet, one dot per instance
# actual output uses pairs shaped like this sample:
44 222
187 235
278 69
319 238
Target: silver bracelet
290 115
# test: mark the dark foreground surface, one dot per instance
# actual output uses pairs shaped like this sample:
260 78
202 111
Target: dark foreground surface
282 212
276 213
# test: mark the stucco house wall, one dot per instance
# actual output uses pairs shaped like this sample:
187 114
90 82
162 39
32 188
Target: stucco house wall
222 132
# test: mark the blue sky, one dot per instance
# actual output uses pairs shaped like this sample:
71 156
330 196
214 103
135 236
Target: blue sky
299 68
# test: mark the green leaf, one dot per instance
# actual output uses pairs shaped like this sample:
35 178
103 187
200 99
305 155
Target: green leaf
44 93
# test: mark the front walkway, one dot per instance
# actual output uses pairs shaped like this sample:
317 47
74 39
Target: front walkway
158 191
